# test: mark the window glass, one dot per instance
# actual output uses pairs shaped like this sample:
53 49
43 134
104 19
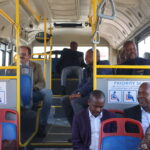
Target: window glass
144 48
1 56
104 51
7 59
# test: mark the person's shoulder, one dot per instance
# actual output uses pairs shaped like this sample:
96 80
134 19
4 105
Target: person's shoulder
35 64
103 62
81 115
132 109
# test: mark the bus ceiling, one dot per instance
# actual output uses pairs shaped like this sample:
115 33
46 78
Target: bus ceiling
131 17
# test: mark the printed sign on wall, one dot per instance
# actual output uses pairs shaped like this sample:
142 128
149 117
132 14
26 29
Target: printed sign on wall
3 93
123 91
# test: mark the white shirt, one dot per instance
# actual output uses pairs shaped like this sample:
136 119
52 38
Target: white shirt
145 119
95 130
25 69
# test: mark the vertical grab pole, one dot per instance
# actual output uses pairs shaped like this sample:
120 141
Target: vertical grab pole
50 56
94 7
18 65
45 56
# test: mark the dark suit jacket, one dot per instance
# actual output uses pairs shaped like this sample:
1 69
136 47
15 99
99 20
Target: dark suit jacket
70 58
137 61
133 113
81 129
86 85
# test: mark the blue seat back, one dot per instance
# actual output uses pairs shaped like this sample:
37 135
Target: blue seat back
120 143
25 89
54 63
9 131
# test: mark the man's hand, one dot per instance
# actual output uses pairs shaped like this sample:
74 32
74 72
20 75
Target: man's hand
73 96
36 89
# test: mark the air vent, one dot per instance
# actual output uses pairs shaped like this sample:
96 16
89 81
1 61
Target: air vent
68 25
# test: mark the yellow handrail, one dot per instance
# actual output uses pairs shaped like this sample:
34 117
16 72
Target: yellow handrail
124 66
45 64
7 17
50 56
7 77
18 63
40 54
8 67
124 76
33 13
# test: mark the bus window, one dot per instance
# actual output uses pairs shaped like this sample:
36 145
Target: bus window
7 59
144 46
1 60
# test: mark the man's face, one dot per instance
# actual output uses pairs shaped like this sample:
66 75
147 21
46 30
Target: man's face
130 51
24 56
144 97
96 106
89 58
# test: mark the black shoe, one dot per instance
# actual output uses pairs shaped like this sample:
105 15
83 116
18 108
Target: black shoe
70 140
63 90
42 131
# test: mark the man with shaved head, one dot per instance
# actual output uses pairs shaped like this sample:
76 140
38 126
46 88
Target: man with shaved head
141 112
86 124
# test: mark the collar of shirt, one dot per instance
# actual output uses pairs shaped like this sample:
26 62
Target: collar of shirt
99 116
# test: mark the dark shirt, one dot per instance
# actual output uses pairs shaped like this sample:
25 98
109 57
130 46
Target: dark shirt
136 61
86 85
70 58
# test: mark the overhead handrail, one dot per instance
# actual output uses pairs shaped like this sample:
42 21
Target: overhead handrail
100 17
101 14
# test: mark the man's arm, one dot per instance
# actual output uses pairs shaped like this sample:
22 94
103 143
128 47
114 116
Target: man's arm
38 77
76 138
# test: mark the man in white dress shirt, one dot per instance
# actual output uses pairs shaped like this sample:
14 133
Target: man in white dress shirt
140 112
86 124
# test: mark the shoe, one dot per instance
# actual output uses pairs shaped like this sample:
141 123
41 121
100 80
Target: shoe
70 140
42 131
63 90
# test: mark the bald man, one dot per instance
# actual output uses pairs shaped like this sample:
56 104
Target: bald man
141 112
86 124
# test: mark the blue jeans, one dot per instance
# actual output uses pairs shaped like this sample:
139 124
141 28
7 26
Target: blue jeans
44 95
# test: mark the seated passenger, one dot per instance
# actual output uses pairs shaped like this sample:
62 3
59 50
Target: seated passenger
145 144
140 112
133 59
39 91
78 100
70 63
86 124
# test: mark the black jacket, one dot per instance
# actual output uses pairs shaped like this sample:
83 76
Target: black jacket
70 58
136 61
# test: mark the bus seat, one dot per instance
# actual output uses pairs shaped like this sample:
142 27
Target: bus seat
2 72
9 127
26 90
54 63
120 139
119 113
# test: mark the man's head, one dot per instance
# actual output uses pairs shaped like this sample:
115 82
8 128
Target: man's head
96 102
130 50
144 96
89 56
25 54
73 45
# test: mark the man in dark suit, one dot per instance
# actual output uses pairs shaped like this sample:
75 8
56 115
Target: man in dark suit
78 99
70 63
140 112
86 124
132 58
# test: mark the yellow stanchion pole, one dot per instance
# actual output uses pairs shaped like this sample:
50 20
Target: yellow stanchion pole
45 38
50 56
18 63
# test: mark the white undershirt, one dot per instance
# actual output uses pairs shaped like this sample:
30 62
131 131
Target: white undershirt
145 119
95 130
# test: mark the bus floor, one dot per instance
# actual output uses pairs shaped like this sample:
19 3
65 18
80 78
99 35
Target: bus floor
58 131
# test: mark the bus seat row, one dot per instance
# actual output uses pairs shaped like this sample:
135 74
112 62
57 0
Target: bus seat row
8 129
